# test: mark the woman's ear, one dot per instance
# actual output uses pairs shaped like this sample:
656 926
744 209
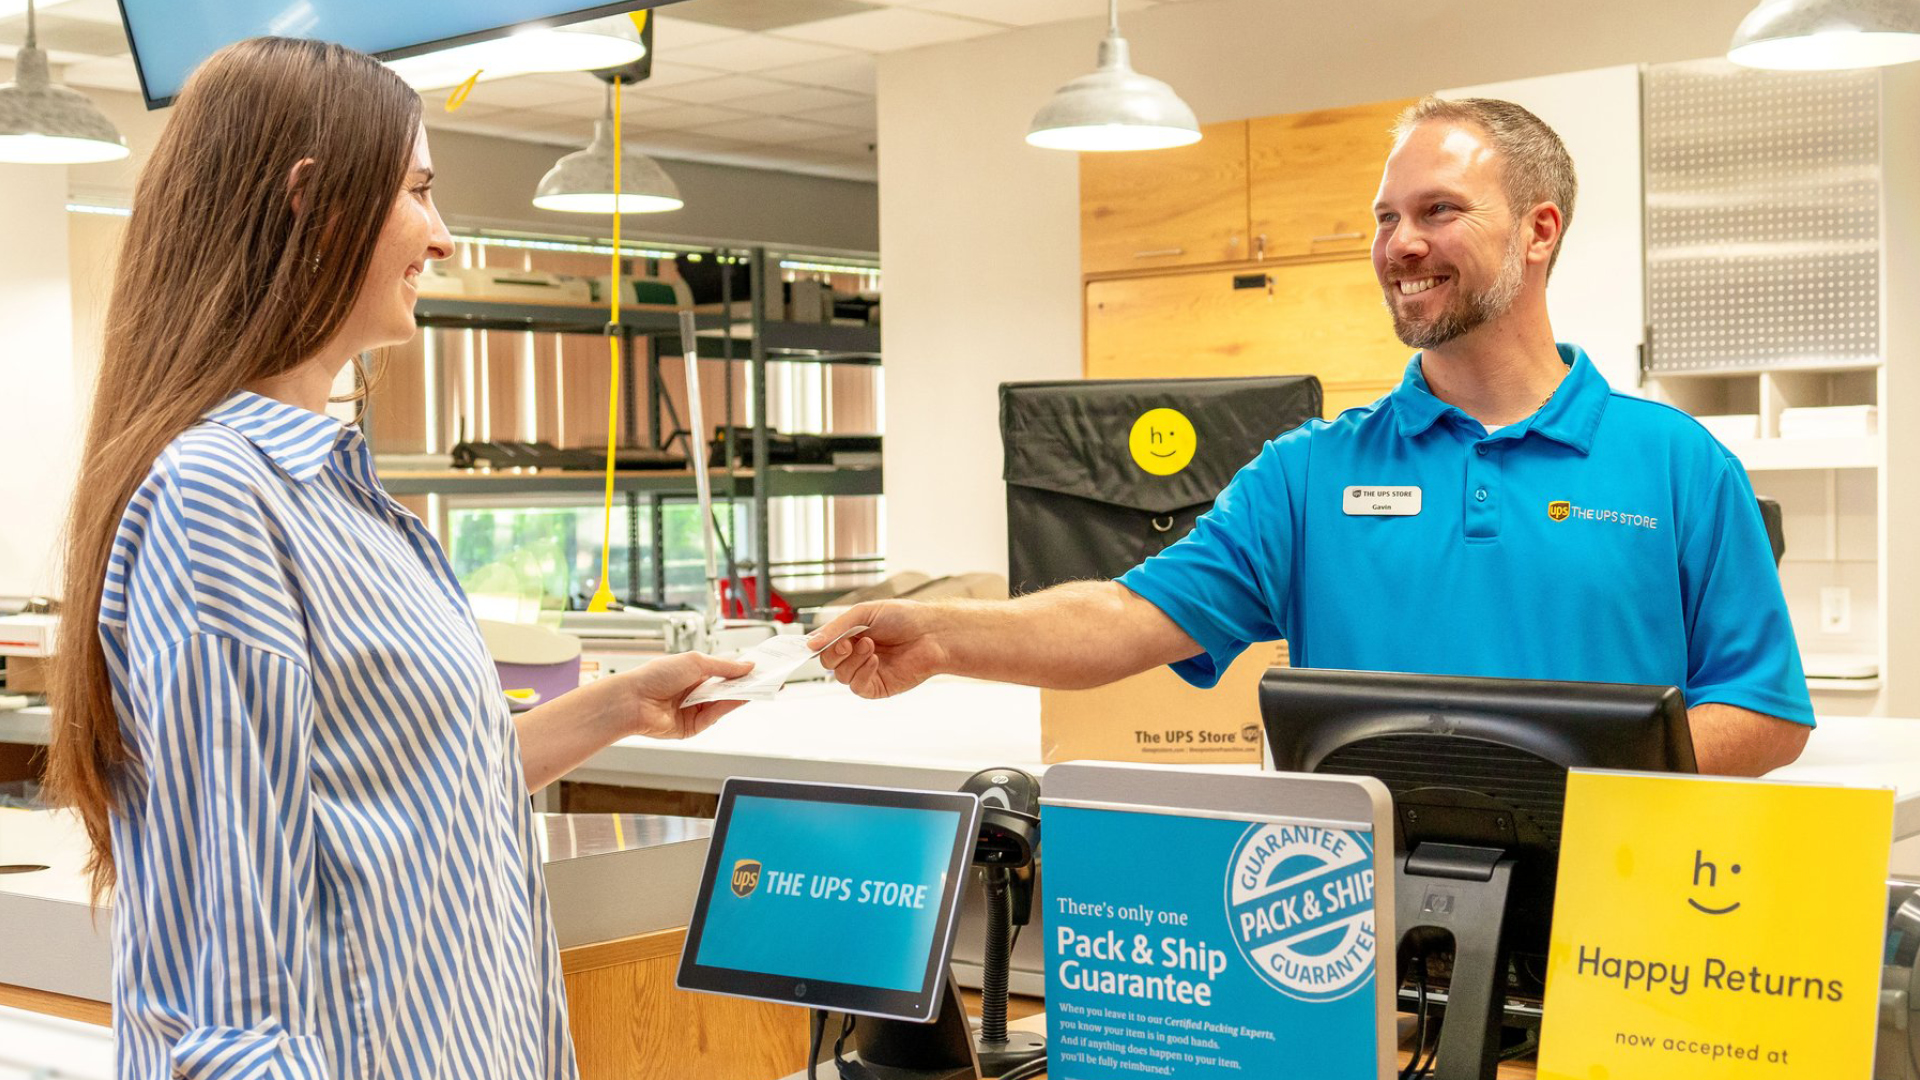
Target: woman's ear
297 183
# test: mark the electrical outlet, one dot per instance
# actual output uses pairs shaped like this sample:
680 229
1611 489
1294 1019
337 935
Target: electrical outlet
1836 609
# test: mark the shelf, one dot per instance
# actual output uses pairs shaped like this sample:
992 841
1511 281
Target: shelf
1776 455
781 480
819 342
453 312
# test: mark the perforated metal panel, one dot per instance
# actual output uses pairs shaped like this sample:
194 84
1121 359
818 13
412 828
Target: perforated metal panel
1763 217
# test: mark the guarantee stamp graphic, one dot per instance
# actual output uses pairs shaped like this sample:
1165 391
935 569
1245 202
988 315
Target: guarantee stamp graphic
1300 902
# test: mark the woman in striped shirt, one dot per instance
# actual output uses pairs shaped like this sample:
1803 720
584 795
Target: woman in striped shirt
276 716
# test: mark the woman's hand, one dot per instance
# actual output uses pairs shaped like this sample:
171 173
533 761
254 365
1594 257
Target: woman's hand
653 695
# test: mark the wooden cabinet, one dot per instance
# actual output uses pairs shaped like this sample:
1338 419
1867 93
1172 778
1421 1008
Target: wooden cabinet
1154 209
1312 177
1307 318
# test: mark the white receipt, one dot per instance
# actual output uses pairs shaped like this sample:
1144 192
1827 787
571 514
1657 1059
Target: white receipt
774 661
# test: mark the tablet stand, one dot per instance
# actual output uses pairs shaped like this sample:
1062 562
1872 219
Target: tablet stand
941 1049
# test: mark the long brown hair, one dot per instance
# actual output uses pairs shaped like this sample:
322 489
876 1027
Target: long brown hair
228 274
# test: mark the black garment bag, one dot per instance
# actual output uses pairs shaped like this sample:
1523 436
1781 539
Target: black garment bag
1078 506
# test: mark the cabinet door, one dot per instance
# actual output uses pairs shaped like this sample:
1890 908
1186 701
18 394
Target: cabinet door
1156 208
1312 178
1318 318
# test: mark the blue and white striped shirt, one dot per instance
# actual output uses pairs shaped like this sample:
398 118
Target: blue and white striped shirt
327 865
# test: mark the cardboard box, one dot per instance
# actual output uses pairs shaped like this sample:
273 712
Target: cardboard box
1157 717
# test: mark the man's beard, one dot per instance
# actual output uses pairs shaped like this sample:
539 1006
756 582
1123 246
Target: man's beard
1467 312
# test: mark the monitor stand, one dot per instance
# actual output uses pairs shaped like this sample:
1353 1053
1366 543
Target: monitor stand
1451 891
941 1049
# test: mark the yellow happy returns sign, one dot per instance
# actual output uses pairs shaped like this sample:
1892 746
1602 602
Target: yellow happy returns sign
1709 928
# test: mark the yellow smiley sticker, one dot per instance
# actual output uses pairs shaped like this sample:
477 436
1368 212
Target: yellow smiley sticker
1162 441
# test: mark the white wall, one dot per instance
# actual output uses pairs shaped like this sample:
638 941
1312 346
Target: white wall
39 440
1597 295
979 232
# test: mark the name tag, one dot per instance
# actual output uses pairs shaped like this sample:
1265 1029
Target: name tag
1381 501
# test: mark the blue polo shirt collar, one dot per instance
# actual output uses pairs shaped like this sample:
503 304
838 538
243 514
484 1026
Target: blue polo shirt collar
1570 417
296 440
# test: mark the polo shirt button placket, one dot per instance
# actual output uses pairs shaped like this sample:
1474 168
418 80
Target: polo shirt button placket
1482 517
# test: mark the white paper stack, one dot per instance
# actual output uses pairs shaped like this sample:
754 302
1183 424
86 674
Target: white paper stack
774 662
1733 428
1830 422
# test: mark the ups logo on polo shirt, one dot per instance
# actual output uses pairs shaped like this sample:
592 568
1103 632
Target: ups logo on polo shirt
1559 510
746 877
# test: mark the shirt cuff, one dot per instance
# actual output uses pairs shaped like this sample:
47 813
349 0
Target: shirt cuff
207 1053
1217 650
1771 703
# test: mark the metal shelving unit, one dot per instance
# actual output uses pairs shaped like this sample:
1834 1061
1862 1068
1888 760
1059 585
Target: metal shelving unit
766 340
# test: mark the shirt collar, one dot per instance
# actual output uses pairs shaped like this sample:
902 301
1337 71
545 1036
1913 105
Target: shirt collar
1570 417
296 440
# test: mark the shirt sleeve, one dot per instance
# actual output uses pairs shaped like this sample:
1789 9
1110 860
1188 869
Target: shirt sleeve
1740 645
226 830
1226 582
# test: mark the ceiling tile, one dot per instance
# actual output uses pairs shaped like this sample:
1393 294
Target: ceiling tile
672 143
67 39
671 34
720 90
1024 12
853 73
681 117
670 72
756 52
765 14
889 29
106 73
794 100
101 11
770 129
863 115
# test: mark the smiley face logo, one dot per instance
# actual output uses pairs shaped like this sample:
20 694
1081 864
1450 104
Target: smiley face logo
1162 441
1711 873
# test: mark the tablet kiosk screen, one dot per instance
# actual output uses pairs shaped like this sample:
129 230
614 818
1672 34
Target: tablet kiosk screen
829 891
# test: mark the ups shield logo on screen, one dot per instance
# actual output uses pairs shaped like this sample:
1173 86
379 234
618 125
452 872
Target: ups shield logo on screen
746 877
1559 510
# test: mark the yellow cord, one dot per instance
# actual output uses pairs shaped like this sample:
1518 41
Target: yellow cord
603 596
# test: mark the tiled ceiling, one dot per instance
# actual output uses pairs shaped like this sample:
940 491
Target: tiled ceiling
772 84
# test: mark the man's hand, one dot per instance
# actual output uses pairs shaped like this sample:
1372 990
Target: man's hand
654 695
897 652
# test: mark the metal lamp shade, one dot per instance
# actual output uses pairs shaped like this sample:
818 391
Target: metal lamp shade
1831 35
45 124
1115 108
582 182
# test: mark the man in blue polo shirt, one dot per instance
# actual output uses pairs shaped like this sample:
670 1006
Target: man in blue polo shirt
1502 513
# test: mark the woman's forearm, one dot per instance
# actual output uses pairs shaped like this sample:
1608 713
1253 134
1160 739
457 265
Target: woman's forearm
557 736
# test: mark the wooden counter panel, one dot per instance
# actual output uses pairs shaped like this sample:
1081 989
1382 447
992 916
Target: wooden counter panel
84 1010
629 1021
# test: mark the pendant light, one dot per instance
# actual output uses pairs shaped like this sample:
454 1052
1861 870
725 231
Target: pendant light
1827 35
583 46
45 124
583 182
1115 108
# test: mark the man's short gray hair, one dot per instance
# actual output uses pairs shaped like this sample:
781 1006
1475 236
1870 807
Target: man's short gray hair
1534 164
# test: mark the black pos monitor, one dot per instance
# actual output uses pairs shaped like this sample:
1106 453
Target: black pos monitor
1478 773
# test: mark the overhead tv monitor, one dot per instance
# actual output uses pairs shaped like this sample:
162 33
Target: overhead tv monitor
1477 769
832 897
171 37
